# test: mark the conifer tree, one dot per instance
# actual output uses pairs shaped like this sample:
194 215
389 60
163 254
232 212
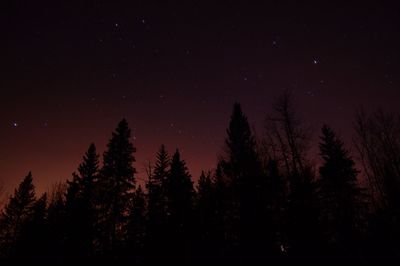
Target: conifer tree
156 190
156 238
80 206
16 213
179 189
240 147
116 185
243 170
340 195
180 196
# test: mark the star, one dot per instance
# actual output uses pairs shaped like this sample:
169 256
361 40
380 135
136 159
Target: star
315 62
15 124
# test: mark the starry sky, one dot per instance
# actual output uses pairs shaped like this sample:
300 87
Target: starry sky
71 70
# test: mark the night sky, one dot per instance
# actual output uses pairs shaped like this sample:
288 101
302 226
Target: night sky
71 71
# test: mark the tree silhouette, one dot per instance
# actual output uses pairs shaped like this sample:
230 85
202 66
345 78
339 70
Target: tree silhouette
286 137
81 208
180 195
263 204
286 144
341 198
243 168
156 238
378 143
116 183
16 213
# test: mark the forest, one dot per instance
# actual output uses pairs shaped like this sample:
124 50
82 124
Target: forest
264 203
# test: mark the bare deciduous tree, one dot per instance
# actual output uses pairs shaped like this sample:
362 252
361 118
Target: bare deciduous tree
286 139
378 144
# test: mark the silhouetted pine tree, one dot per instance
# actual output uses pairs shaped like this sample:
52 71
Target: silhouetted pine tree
180 195
116 184
81 209
243 169
341 198
16 213
156 239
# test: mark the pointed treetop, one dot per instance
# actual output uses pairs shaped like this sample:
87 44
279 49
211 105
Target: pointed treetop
162 158
89 166
178 164
240 139
21 202
331 146
338 164
26 188
118 158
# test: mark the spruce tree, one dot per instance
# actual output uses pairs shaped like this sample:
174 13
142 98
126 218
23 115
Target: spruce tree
180 196
80 206
156 238
340 195
116 184
242 167
15 214
240 147
156 190
179 189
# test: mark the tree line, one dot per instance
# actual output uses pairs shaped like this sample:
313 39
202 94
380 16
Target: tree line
265 203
